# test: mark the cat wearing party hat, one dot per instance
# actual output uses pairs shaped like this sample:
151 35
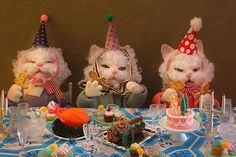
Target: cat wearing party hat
112 76
39 71
186 70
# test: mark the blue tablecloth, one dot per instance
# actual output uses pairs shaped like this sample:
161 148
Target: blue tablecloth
192 147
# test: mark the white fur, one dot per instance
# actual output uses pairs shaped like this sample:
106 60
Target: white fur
175 59
114 59
34 59
196 24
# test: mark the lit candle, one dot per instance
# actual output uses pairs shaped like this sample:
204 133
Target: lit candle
201 102
212 100
223 104
6 106
2 100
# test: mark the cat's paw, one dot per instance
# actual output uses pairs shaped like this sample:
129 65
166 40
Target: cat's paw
93 89
134 87
168 92
15 93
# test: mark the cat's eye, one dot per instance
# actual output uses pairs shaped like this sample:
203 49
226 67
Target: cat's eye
122 68
196 69
179 70
105 66
49 61
31 61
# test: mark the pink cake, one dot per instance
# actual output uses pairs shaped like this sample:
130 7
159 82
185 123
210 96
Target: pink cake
177 121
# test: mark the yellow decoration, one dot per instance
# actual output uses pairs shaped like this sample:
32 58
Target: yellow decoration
173 101
43 109
178 85
224 144
100 107
140 151
53 146
20 81
134 146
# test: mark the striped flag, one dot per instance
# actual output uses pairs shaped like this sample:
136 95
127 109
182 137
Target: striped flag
51 87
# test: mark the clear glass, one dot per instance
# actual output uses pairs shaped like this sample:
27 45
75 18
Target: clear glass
154 111
228 111
12 128
162 109
87 129
23 108
22 137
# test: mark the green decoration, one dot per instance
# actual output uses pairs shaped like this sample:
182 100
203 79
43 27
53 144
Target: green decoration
109 17
184 105
125 138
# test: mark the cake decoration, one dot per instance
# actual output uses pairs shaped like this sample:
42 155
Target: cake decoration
69 122
100 112
135 150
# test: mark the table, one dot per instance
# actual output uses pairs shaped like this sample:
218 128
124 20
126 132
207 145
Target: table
192 147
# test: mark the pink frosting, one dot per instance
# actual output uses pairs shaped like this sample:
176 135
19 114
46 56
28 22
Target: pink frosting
109 113
61 151
230 147
177 121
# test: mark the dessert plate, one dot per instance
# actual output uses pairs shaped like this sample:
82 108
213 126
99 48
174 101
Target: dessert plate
227 131
67 139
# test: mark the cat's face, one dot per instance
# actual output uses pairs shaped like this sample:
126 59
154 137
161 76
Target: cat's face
114 67
186 68
39 63
178 66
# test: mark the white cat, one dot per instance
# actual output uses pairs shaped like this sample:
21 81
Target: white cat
117 67
41 63
185 71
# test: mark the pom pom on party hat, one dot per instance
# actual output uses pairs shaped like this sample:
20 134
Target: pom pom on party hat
189 43
41 36
112 42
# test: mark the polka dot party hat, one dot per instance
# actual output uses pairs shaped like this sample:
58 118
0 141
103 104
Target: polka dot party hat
112 42
189 43
41 37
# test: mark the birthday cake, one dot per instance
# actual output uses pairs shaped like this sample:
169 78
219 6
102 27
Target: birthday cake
180 117
69 123
126 132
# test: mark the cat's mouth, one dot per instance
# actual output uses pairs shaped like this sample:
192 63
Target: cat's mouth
189 82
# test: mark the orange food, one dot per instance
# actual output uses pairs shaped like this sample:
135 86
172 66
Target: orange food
73 117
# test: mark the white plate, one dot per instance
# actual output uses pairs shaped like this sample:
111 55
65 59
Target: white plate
227 131
163 123
64 138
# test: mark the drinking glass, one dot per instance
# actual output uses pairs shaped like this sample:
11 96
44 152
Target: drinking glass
162 110
87 129
228 111
22 137
23 108
154 111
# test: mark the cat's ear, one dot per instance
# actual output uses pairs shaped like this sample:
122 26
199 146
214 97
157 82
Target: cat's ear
200 49
94 49
166 50
94 53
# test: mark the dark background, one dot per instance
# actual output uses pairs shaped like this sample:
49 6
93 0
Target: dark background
74 25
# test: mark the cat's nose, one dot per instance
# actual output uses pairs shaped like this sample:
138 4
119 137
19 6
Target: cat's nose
114 72
39 64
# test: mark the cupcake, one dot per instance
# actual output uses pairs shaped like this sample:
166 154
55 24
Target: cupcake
216 148
100 112
61 152
108 115
54 151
